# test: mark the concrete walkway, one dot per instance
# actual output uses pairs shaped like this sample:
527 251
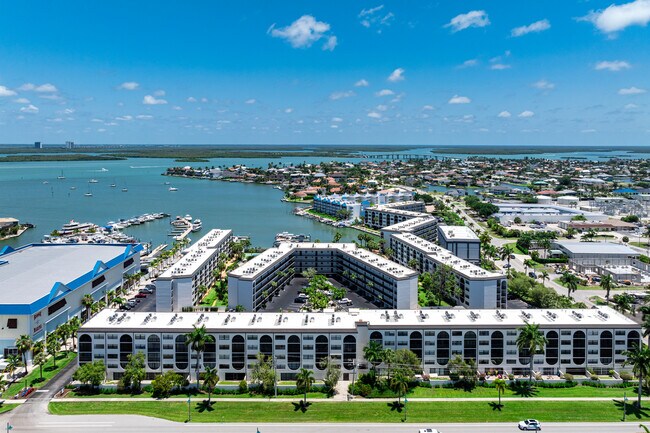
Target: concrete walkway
330 400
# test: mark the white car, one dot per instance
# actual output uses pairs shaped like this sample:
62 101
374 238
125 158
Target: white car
345 301
428 430
530 425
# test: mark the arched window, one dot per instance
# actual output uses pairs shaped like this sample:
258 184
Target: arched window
552 347
606 347
266 345
126 349
294 360
349 351
496 348
210 352
469 346
153 352
579 345
415 343
524 356
85 349
322 351
633 340
238 352
442 343
181 352
377 337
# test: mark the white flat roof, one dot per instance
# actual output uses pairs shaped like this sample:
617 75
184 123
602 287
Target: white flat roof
271 256
458 233
602 317
442 255
411 224
196 254
29 273
596 248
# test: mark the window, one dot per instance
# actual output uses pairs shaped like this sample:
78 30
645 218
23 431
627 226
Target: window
56 306
128 263
293 352
469 346
98 281
210 352
376 337
238 352
322 350
606 347
266 345
12 323
496 349
181 352
633 340
579 345
443 347
552 347
126 349
350 351
85 348
153 352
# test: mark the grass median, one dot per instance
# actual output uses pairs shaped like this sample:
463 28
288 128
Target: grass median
34 378
371 412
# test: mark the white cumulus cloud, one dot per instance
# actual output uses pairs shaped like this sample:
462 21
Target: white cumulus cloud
614 65
499 66
304 31
250 101
618 17
468 64
151 100
22 101
6 92
374 115
631 91
29 109
544 85
525 114
459 100
385 92
144 117
362 83
396 75
341 95
470 19
129 85
46 88
504 114
536 27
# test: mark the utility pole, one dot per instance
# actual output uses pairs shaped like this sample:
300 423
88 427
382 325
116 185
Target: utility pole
275 378
189 412
624 405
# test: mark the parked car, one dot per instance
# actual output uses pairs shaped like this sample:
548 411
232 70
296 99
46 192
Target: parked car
532 275
300 300
428 430
627 282
345 301
130 303
126 307
530 425
145 290
150 286
141 295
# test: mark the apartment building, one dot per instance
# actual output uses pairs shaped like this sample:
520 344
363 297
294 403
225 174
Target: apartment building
356 204
478 288
461 241
381 281
177 286
577 340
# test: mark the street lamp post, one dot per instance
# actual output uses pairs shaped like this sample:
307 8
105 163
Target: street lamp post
624 405
189 412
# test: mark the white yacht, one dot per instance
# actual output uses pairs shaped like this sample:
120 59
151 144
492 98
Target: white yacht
93 181
197 225
73 226
61 176
172 189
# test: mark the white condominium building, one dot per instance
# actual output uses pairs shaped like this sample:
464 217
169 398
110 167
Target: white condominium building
577 340
357 203
425 227
389 214
461 241
177 286
381 281
478 288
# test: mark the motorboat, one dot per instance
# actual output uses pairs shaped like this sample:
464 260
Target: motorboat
125 190
172 189
197 225
88 194
61 176
93 181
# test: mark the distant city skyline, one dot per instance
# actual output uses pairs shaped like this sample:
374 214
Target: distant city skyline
337 72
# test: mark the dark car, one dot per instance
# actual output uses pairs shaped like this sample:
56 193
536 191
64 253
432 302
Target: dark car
141 295
300 300
532 275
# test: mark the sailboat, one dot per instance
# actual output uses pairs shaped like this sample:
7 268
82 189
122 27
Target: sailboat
88 194
113 185
61 176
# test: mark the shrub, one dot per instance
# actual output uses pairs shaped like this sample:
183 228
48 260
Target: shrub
594 378
243 386
511 376
568 377
362 389
626 376
611 373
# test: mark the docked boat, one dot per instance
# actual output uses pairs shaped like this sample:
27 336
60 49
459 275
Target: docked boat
197 225
74 226
290 237
188 217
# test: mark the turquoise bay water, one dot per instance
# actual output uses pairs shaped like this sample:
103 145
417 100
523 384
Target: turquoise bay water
253 210
249 209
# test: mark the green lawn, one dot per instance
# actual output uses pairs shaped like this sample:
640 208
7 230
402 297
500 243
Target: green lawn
7 407
515 248
324 215
33 378
577 391
420 412
640 244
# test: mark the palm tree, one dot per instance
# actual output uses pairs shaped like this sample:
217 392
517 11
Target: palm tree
210 380
504 254
646 328
40 360
544 275
606 283
374 354
87 302
570 281
197 340
13 362
399 384
304 380
52 345
63 331
639 358
531 339
73 326
24 344
500 386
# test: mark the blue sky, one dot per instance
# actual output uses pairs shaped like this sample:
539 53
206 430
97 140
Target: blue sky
555 72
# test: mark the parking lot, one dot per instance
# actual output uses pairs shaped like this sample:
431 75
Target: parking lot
285 300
